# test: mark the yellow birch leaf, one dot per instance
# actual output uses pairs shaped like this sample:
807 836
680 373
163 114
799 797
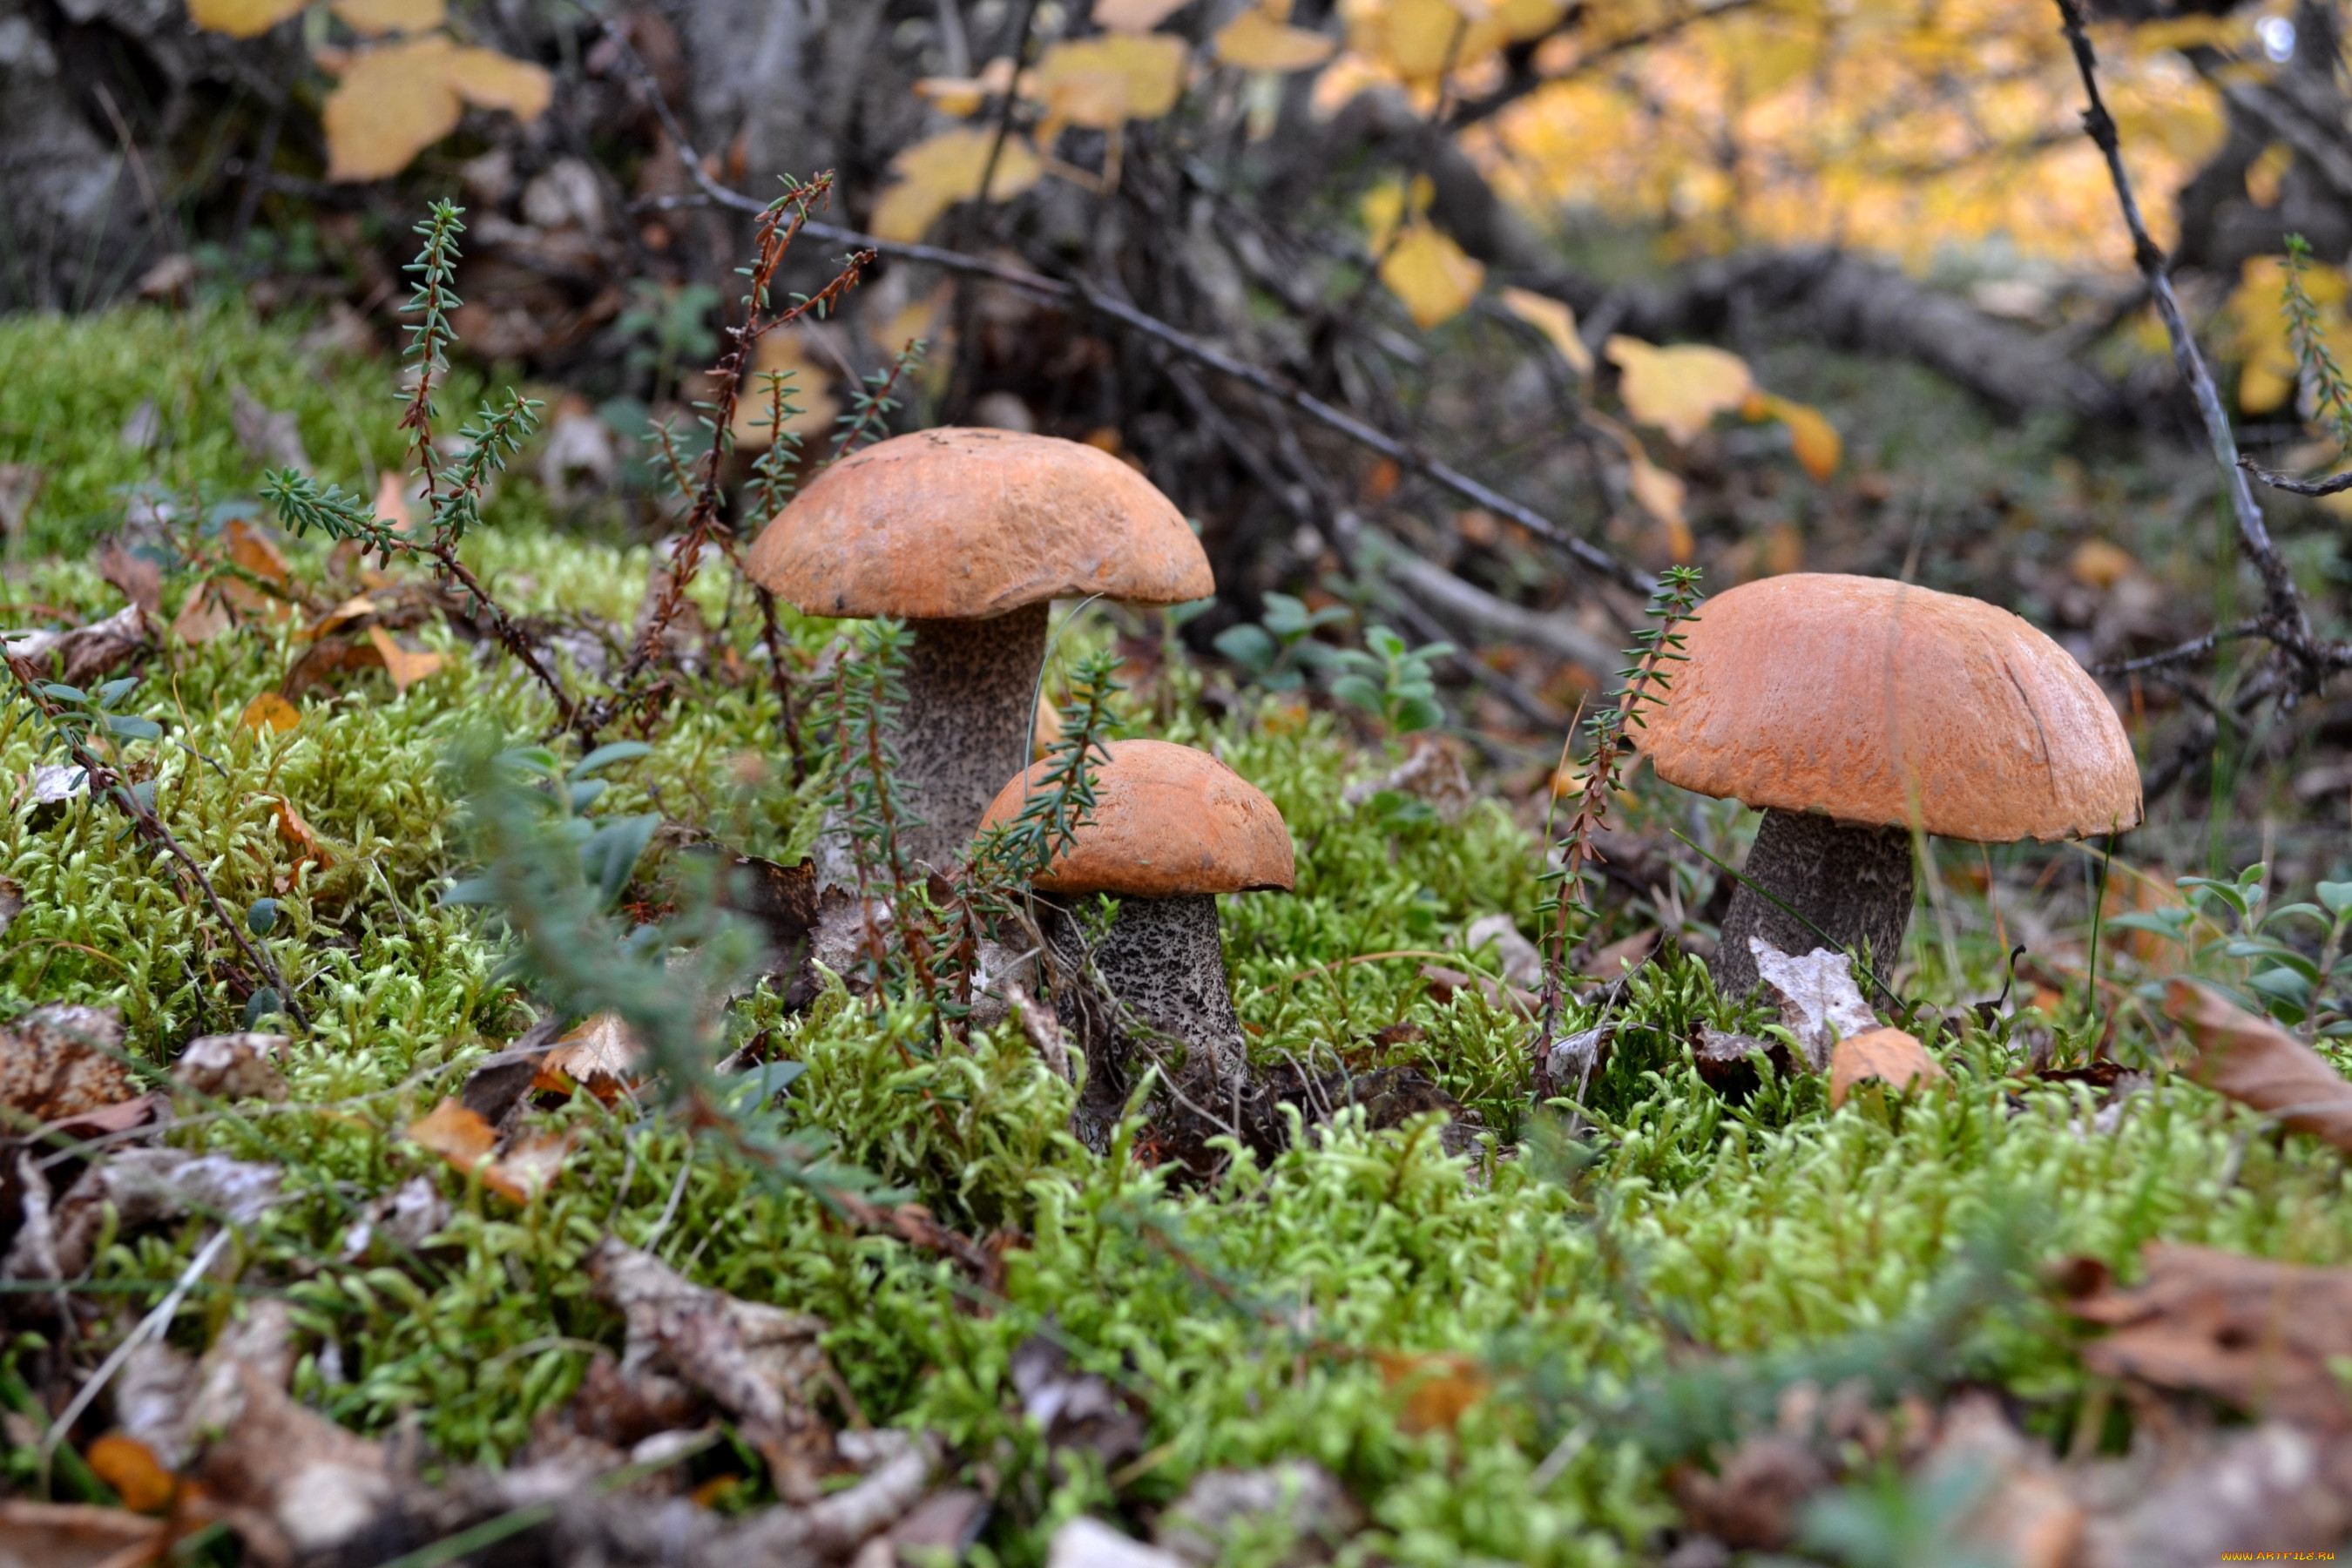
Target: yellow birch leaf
1678 389
1555 321
965 94
1818 447
1148 67
241 18
936 174
1432 275
405 666
1528 19
783 353
270 715
2267 173
489 79
1255 41
1383 209
1660 494
374 18
393 103
1134 16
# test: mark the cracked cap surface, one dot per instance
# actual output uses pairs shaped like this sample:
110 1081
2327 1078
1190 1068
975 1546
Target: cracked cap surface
1168 820
963 524
1878 702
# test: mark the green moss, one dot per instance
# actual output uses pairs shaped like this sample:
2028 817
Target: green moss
1250 1322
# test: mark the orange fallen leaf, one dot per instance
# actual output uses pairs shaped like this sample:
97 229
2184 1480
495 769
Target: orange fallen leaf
130 1467
350 610
529 1168
1885 1055
406 666
298 834
251 547
457 1133
202 617
270 715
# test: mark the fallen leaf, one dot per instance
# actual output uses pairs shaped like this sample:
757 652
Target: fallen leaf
1439 1389
255 548
392 503
129 1466
298 835
374 18
396 99
1752 1499
1521 963
1134 16
459 1135
1257 41
270 715
233 1066
83 656
1885 1055
405 666
1431 771
1660 494
241 18
1445 984
61 1060
602 1055
203 616
1555 321
133 1187
1084 1542
1816 995
1434 278
137 577
1621 957
2261 1335
934 175
75 1535
1813 438
1678 389
529 1167
1291 1499
1074 1408
2258 1064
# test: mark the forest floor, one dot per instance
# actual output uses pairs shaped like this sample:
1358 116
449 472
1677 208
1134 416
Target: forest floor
1691 1315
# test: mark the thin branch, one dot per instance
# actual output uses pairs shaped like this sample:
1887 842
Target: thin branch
2335 485
2194 648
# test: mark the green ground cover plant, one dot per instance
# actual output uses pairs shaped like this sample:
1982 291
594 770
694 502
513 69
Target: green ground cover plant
1610 1283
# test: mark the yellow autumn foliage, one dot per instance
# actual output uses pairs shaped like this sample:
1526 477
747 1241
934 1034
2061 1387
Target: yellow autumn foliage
1255 40
374 18
2268 375
396 99
241 18
1106 81
934 175
1678 389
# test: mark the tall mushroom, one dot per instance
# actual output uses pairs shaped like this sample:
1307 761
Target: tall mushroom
1171 828
1852 710
968 535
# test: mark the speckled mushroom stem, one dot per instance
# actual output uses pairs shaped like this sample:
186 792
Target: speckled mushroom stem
1164 961
1853 883
972 689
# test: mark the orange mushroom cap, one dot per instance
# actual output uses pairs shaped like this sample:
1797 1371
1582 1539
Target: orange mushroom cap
1168 820
956 524
1882 703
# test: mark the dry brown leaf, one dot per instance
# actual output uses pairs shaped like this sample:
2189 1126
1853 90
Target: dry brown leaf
459 1135
374 18
529 1167
2256 1063
75 1535
298 836
601 1055
255 548
405 666
62 1060
1134 16
130 1467
2261 1335
202 617
1621 957
1885 1055
270 715
1678 389
1555 321
241 18
1816 995
1256 41
233 1066
965 94
342 614
135 576
1445 983
2101 564
1434 278
82 656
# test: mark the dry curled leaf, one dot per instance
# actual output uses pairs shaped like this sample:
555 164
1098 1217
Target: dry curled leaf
1678 389
1810 435
1816 995
203 616
233 1066
75 1535
405 666
62 1060
601 1055
2258 1064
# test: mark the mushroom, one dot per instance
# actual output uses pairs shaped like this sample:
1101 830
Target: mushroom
1854 710
1171 828
968 535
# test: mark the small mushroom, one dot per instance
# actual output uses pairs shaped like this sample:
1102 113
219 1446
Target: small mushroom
968 535
1852 710
1171 828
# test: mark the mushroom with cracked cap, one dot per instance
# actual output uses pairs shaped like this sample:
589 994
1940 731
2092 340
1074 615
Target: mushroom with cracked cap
1854 711
1171 828
968 535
